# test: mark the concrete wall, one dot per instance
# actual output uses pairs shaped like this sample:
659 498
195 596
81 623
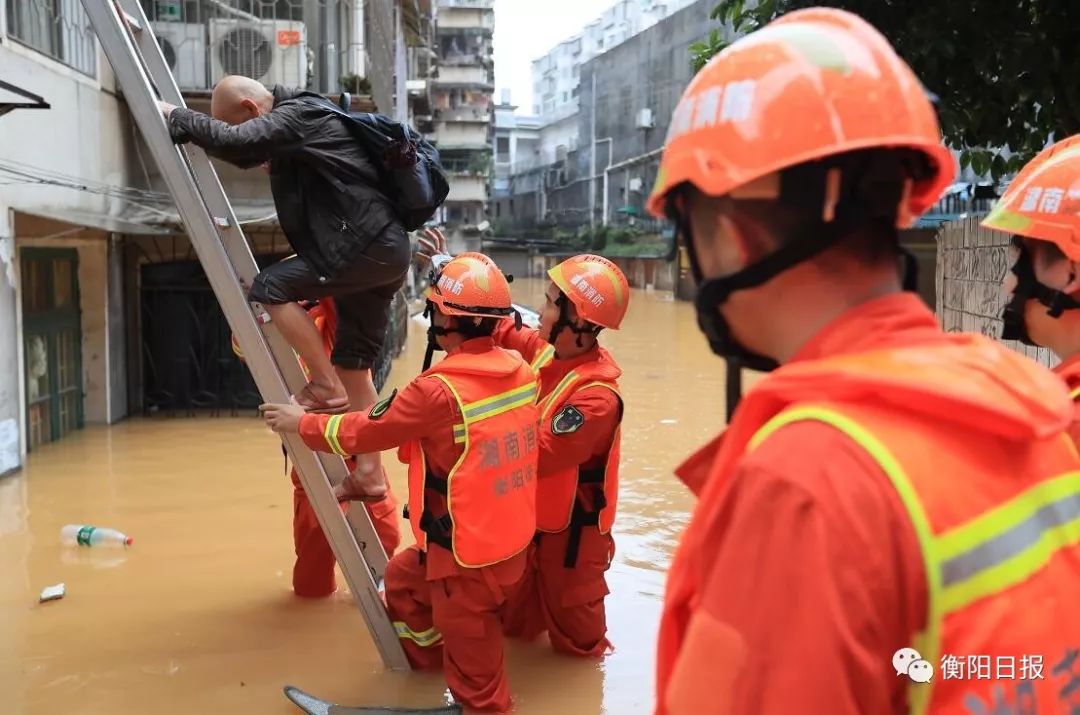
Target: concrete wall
83 136
650 70
566 132
647 71
972 261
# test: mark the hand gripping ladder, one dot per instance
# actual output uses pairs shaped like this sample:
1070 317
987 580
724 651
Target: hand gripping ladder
144 77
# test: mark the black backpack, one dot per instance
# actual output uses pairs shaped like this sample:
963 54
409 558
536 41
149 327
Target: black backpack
409 164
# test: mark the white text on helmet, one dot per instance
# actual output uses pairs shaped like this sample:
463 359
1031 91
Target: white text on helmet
449 285
591 294
1050 200
715 105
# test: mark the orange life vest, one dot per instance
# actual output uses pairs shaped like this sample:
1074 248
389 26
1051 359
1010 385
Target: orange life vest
1069 371
559 505
490 493
997 520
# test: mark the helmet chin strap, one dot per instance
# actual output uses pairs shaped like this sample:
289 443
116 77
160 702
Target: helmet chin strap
564 323
1028 287
853 201
433 333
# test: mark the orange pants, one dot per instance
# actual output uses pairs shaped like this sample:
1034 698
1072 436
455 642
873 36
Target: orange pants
313 572
568 603
453 623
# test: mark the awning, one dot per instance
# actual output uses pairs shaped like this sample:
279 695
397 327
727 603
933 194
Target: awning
12 97
95 220
140 221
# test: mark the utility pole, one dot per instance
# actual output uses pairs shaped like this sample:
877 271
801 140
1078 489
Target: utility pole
592 156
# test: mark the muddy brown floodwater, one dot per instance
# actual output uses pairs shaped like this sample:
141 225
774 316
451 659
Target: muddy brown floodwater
198 616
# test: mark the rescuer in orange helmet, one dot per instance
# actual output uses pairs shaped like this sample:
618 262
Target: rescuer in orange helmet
1041 208
580 415
892 498
467 428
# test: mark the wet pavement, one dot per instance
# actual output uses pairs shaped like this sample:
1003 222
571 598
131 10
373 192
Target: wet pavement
198 616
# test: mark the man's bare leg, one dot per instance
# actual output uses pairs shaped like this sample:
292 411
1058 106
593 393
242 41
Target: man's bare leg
298 329
367 481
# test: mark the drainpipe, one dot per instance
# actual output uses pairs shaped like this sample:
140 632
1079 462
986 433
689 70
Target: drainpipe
611 148
592 156
400 67
357 50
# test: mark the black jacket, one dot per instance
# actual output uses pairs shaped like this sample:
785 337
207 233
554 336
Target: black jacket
325 185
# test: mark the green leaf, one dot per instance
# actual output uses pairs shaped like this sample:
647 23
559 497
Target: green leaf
998 167
980 162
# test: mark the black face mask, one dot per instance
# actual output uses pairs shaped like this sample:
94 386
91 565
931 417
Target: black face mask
1028 287
868 193
564 323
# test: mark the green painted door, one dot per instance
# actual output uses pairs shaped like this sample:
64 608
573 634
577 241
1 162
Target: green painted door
52 343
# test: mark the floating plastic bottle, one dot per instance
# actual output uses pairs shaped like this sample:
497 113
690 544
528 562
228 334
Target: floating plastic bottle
85 535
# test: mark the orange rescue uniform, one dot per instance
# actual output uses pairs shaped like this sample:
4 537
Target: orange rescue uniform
564 587
446 612
821 475
313 572
1069 371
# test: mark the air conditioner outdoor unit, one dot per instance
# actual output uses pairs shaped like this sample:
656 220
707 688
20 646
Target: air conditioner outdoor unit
184 47
562 152
645 119
270 51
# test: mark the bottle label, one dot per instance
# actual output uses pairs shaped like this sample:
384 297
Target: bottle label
83 538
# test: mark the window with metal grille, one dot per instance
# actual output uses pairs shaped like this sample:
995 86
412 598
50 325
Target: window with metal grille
57 28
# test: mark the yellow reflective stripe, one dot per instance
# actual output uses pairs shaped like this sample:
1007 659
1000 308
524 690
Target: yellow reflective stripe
424 639
1075 394
498 404
330 434
928 643
555 396
542 358
459 434
608 385
990 556
1003 517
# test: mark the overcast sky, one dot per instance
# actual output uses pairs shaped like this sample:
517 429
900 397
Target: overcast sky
526 30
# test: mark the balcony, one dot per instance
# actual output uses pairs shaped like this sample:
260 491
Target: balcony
465 59
468 188
465 76
482 4
475 115
462 136
466 18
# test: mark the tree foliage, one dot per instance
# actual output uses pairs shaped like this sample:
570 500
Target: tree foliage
1006 72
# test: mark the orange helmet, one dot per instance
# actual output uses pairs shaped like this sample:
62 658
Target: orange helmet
1043 201
471 284
596 287
810 84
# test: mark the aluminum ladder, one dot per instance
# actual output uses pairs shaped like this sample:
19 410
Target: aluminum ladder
144 77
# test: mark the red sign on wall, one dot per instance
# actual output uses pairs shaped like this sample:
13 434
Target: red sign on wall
288 38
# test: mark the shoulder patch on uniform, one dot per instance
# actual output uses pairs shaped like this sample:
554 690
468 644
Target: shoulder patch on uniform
382 406
567 420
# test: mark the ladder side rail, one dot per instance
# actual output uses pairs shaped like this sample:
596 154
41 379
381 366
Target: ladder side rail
139 90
